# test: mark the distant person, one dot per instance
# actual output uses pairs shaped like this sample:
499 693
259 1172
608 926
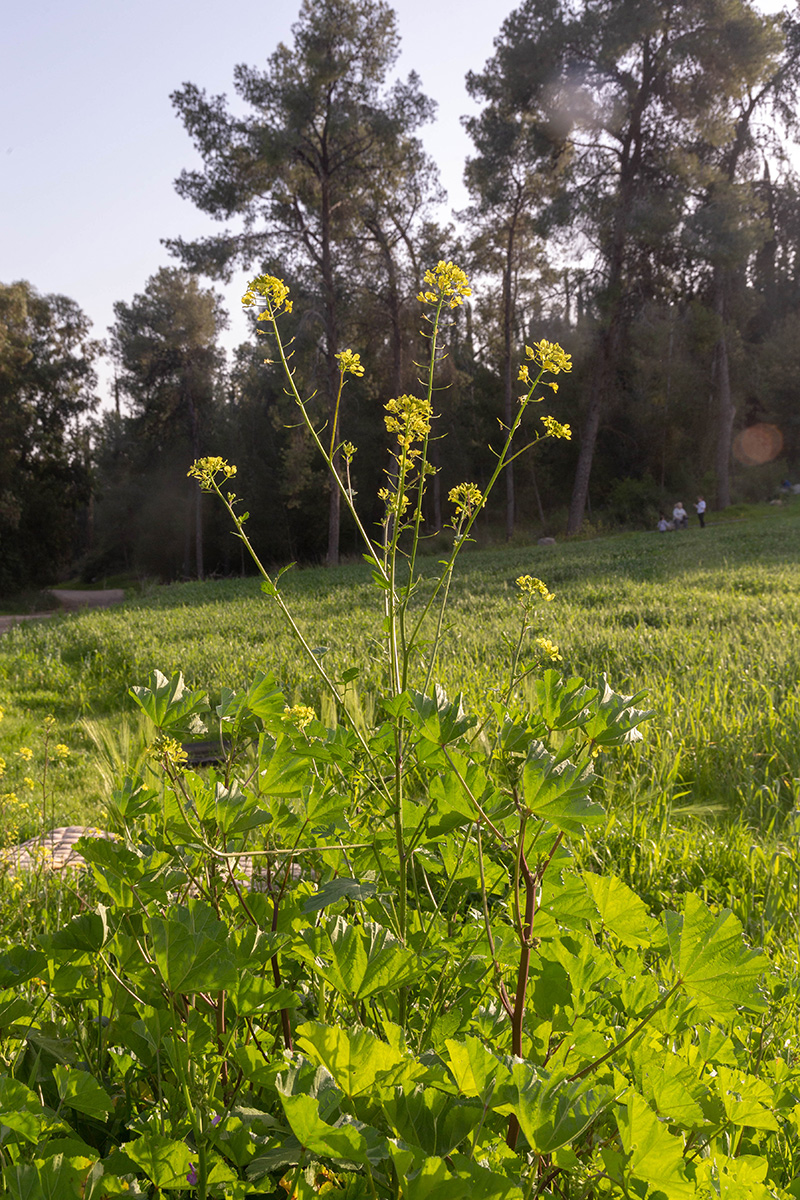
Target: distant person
663 524
680 517
700 509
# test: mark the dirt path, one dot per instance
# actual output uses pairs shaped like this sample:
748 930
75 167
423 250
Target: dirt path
69 601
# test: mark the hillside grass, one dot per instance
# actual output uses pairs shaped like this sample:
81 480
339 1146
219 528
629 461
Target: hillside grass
705 621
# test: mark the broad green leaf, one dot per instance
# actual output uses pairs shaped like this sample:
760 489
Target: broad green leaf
339 889
343 1141
655 1155
672 1088
358 960
554 1111
19 964
566 899
358 1061
621 910
615 719
57 1178
747 1101
431 1120
711 958
476 1070
168 704
168 1163
438 719
190 950
81 1091
85 934
558 791
562 703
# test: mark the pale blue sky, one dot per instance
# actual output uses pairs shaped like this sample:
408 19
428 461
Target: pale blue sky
90 144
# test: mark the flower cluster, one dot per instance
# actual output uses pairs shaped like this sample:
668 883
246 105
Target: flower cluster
410 418
25 753
555 429
273 290
549 356
171 752
300 715
446 282
207 469
530 586
350 363
549 649
466 497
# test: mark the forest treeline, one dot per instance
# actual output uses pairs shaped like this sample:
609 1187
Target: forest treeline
633 196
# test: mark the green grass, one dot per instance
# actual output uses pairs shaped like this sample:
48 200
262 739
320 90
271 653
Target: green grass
705 621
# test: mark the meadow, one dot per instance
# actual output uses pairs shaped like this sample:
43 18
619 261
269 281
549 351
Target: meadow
163 1026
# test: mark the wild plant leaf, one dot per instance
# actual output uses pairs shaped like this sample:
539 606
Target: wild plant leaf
615 720
357 1060
283 773
342 1141
431 1120
739 1178
562 703
237 811
81 1091
20 1110
565 898
19 964
558 792
672 1088
58 1178
554 1111
358 960
258 994
339 889
621 910
711 958
429 1179
655 1156
438 719
483 1183
166 1162
167 702
190 950
476 1070
747 1100
84 934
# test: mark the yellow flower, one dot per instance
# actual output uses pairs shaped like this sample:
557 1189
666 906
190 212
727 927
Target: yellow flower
10 798
25 753
409 417
349 362
2 767
549 649
171 751
29 783
2 713
466 497
450 284
529 585
62 751
273 290
349 451
549 356
207 469
556 429
300 715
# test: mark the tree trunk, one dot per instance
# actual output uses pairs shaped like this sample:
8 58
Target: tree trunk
508 372
726 409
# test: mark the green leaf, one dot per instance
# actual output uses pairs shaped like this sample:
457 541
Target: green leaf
431 1120
747 1100
562 704
167 702
358 960
19 964
655 1155
165 1161
438 719
85 934
358 1061
554 1111
81 1091
621 910
190 950
336 890
558 792
711 958
343 1141
615 719
476 1070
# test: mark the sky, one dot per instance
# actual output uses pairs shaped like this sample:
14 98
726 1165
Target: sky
90 144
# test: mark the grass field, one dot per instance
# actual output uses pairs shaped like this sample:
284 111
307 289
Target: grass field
705 621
